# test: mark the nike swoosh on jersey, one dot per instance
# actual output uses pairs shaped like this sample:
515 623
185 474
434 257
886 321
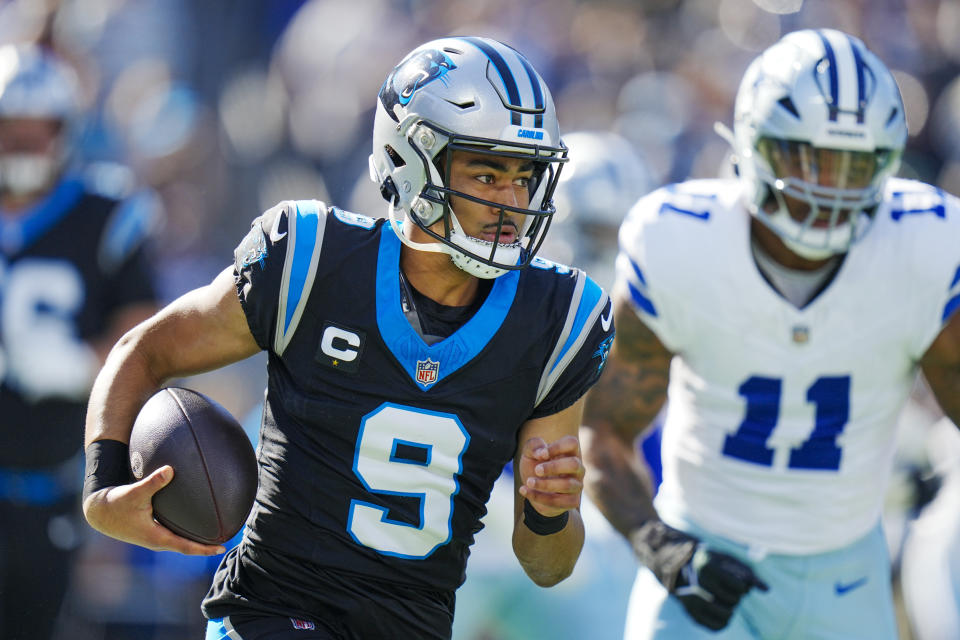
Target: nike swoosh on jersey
842 588
605 321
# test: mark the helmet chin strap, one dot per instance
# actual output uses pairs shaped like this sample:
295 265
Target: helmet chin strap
459 237
399 229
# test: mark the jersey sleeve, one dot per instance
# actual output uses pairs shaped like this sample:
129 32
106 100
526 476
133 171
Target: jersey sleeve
935 281
644 276
122 254
581 350
275 266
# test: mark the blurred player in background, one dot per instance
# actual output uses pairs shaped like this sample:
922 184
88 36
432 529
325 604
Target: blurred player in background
73 279
930 562
409 360
785 315
604 178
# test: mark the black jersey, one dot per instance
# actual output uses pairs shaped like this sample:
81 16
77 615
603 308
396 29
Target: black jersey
378 452
66 265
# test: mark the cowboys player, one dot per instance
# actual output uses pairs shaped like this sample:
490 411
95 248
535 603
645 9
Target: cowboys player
785 315
73 278
410 358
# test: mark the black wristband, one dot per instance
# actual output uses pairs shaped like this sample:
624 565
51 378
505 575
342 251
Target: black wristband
540 524
108 465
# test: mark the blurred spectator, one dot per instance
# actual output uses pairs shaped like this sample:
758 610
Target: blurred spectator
73 279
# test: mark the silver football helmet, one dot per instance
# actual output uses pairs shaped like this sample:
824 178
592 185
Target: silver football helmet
35 85
818 118
472 94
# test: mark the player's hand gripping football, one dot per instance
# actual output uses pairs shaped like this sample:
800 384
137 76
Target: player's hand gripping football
708 583
126 513
551 475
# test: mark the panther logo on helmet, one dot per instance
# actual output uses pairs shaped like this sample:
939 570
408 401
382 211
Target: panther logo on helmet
413 73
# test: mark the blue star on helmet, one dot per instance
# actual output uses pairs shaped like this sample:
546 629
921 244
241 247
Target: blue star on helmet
410 75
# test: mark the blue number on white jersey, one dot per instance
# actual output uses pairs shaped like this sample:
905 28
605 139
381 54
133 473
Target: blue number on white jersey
830 395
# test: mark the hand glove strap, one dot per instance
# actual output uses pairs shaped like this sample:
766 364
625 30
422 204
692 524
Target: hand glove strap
663 549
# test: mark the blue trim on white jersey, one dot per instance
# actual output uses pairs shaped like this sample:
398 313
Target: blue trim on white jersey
642 301
588 301
452 352
19 232
950 307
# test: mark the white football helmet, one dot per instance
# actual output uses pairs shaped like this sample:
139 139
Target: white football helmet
818 118
603 180
35 85
471 94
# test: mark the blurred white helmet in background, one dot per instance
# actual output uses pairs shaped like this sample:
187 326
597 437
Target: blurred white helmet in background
34 85
603 180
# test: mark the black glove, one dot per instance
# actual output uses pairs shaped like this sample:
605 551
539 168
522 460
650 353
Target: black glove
709 584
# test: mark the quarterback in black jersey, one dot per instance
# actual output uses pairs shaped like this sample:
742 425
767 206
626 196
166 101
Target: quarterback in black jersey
410 358
73 279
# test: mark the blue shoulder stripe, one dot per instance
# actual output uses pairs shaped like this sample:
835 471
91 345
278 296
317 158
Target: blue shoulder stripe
637 293
586 304
19 232
306 225
130 223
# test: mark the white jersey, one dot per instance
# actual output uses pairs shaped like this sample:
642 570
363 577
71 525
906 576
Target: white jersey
780 423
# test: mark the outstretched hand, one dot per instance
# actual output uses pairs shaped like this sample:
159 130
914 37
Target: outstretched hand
551 475
126 513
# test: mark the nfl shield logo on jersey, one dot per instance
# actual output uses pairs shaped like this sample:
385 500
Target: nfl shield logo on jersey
303 625
427 371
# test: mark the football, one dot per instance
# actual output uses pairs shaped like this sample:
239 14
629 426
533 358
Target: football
215 468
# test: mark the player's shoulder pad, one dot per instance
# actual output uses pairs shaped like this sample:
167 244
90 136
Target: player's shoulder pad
128 225
684 205
306 223
108 180
586 302
920 237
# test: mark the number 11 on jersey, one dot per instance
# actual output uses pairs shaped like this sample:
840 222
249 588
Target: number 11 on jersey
831 397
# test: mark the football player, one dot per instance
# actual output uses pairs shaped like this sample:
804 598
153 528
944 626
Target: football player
410 357
604 178
785 314
73 279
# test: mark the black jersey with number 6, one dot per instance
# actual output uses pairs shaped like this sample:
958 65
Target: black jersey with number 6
66 265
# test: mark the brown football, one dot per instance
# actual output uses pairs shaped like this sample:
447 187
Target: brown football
215 468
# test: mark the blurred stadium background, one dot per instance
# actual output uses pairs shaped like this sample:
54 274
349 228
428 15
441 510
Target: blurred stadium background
224 107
